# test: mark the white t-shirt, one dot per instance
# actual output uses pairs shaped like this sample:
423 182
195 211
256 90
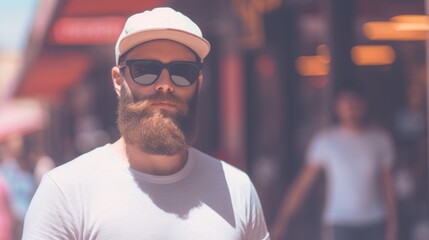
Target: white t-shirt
353 163
98 197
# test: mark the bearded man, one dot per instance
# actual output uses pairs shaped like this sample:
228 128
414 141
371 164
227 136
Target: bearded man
150 184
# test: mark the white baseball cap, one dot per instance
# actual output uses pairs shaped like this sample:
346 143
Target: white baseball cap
161 23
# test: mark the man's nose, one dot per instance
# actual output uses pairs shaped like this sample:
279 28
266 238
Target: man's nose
164 82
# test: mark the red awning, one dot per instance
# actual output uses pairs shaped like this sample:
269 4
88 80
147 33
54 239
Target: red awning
58 66
52 73
21 117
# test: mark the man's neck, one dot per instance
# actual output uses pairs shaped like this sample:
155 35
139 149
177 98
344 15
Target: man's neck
149 163
353 127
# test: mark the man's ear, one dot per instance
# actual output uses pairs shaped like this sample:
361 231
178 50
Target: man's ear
117 79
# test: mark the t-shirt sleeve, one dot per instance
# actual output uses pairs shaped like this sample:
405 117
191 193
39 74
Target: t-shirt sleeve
49 216
317 151
256 228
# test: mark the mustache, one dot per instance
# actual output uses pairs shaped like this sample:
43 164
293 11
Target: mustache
142 103
162 97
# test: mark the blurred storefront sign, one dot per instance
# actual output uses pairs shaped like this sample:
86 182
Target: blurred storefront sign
412 22
55 62
251 16
315 65
87 30
370 55
107 7
394 31
21 116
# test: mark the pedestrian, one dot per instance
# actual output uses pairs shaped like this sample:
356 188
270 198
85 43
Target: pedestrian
150 184
357 159
16 171
6 213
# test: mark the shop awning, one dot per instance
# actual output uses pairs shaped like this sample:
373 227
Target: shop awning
21 116
60 58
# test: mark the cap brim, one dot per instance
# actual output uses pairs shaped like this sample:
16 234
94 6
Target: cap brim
198 44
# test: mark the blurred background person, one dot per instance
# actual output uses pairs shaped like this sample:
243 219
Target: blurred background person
42 163
6 218
17 173
357 159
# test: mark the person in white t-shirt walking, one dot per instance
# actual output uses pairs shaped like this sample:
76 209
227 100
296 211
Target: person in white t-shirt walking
150 184
357 160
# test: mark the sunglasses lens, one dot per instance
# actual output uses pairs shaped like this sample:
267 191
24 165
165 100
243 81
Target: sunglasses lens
184 74
145 73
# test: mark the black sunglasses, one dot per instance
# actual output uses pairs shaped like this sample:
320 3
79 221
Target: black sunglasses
146 72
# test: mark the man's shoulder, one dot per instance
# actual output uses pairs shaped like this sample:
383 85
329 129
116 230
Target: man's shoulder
328 131
326 134
85 164
378 131
232 173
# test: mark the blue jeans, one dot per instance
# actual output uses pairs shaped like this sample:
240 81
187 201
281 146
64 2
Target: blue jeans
373 231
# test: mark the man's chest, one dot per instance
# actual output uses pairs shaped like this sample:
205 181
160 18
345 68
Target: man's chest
141 216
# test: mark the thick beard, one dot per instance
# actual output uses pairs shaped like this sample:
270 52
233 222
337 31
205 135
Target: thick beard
153 130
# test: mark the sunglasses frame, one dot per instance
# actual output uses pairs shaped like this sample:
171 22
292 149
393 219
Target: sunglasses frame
129 63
